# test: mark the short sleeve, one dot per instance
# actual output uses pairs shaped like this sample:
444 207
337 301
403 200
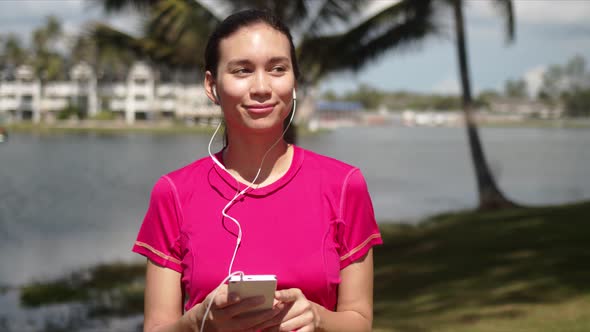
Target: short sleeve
358 231
158 237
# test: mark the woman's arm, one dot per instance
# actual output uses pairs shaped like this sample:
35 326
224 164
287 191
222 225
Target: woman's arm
163 301
354 311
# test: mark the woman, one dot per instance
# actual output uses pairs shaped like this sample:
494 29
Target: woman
306 218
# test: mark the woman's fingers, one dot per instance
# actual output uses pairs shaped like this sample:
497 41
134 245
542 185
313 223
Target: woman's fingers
299 322
221 299
236 317
288 295
301 315
258 320
273 324
240 306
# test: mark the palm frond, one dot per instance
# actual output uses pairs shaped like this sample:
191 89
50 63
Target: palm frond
332 11
108 37
291 12
506 8
170 19
111 6
183 26
400 25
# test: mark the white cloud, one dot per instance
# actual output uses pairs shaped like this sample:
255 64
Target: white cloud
557 12
538 11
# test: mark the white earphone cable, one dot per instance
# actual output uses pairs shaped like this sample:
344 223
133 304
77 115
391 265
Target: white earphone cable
236 196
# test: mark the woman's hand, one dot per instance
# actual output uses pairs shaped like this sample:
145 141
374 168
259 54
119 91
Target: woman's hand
299 313
229 313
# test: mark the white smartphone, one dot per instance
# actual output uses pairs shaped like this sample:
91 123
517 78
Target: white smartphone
255 285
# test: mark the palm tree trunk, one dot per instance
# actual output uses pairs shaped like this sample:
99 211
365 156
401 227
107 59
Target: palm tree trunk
490 196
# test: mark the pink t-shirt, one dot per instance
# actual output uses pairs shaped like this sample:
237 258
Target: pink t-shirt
304 228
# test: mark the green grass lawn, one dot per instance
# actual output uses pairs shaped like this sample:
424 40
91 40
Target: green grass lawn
521 270
516 270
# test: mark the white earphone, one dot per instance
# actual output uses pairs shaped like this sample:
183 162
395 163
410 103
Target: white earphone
214 90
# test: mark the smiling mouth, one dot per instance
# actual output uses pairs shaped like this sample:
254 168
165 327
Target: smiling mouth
263 108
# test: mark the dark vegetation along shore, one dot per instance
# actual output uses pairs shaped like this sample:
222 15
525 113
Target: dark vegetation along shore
524 269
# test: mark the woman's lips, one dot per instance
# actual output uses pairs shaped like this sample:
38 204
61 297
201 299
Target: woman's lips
260 108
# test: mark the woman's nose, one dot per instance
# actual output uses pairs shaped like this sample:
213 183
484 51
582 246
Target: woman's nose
261 84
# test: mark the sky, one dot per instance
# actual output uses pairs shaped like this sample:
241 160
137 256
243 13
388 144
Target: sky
547 32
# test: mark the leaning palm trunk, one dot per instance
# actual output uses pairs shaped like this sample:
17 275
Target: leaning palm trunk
490 196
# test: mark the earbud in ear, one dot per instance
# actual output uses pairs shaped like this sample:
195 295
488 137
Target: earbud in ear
294 94
214 90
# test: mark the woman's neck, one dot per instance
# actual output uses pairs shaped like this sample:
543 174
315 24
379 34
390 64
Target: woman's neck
244 154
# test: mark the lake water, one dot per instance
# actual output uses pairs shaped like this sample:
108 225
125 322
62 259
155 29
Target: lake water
72 200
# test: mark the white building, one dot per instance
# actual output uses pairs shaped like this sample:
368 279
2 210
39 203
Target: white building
140 97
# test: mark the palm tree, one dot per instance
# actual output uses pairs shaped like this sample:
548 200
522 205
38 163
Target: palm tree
353 57
47 62
490 196
13 54
109 60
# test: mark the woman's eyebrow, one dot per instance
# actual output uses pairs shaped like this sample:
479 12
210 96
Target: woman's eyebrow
242 62
239 62
279 59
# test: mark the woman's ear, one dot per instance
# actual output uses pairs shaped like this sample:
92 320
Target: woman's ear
210 88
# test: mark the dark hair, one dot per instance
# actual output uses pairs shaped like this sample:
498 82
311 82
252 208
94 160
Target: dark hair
239 20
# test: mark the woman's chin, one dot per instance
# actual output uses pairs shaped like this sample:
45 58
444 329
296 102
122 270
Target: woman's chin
263 125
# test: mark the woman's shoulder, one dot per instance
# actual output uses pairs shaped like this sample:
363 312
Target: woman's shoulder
328 164
188 171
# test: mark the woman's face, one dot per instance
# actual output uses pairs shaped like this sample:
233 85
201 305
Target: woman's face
255 79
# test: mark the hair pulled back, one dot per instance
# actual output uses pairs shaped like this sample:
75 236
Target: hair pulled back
240 20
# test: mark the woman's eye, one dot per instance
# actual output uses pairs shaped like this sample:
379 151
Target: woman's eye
240 71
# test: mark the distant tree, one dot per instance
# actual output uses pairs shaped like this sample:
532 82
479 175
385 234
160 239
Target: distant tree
446 102
107 56
516 89
552 85
486 97
577 102
47 63
13 54
370 97
83 49
330 95
575 72
568 85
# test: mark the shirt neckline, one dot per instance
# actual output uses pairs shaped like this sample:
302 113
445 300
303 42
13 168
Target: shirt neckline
296 162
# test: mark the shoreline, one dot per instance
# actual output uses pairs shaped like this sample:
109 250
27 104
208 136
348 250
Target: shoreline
171 127
112 127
